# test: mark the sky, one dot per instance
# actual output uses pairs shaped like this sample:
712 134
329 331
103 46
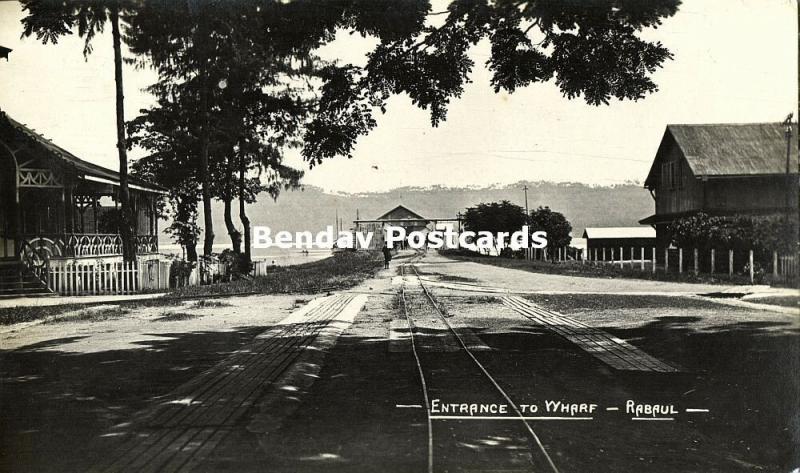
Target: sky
735 61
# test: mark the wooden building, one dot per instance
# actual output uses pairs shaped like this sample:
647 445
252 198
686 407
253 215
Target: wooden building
56 207
614 238
723 169
400 216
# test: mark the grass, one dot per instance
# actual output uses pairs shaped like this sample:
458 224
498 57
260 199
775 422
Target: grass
19 314
167 316
341 271
783 301
207 304
481 300
567 303
90 315
446 277
574 268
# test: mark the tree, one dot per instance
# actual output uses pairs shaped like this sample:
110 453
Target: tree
555 224
590 48
165 131
495 217
239 63
761 233
49 20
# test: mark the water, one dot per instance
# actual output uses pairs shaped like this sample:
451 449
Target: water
281 256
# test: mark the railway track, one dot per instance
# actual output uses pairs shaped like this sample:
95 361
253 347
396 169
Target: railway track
464 443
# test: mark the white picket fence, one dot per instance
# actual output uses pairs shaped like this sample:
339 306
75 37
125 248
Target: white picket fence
680 260
260 268
81 277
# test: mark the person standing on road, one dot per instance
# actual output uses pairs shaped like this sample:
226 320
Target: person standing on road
387 256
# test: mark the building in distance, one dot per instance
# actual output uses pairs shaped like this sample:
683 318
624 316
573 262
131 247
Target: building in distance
723 170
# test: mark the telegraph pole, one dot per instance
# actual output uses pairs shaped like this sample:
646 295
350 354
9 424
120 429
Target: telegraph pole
525 188
789 180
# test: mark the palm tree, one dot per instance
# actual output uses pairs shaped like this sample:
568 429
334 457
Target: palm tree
50 20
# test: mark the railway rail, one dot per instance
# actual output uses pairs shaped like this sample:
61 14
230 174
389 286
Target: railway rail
539 454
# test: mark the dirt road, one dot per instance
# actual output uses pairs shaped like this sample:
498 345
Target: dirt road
612 375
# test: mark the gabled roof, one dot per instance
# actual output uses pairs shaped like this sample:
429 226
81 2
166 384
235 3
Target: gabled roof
404 213
619 232
99 173
732 149
4 52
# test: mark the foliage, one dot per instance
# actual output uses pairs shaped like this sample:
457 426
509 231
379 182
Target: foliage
179 272
591 49
235 263
555 224
741 233
240 82
495 217
341 271
252 104
109 221
51 19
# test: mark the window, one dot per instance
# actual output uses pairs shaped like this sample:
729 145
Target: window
668 175
671 175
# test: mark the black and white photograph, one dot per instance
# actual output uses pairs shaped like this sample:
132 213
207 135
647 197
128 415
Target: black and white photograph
400 236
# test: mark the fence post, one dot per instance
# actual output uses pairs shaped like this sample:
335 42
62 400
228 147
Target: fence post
712 261
750 257
775 264
696 262
680 260
604 254
621 257
666 260
654 260
641 262
730 263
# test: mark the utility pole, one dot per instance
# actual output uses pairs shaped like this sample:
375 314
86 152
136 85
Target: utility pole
789 181
525 188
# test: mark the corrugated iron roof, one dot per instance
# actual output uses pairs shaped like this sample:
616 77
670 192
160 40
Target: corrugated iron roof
414 215
619 232
732 149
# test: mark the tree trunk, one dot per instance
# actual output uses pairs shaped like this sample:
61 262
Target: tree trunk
127 230
191 251
233 232
187 214
208 224
236 237
242 214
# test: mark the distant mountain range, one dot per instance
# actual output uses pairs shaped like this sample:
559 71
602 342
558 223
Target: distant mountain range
313 208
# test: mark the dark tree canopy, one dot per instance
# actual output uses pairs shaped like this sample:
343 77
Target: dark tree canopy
588 48
761 233
555 224
495 217
240 81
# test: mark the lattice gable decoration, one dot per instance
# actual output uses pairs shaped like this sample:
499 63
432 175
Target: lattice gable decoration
39 167
39 177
